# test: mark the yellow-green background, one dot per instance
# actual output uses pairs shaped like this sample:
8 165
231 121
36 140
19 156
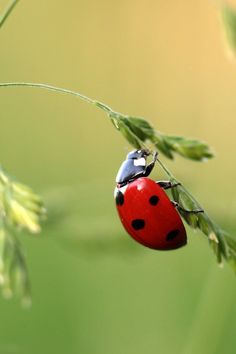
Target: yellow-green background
95 291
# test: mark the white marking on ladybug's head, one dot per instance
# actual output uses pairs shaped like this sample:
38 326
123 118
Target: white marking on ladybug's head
140 162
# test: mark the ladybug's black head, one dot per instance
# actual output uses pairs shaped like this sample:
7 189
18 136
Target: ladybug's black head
133 167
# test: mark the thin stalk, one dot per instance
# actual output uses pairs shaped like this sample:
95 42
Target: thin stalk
165 169
111 113
60 90
7 11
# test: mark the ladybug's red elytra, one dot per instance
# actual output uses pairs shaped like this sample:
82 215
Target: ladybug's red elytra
145 210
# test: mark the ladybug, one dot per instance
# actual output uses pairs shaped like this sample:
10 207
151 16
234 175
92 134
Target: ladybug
144 208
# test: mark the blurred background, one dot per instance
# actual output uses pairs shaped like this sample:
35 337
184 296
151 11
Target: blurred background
95 291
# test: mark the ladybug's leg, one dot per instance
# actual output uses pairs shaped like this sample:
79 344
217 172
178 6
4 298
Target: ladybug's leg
167 184
185 210
150 166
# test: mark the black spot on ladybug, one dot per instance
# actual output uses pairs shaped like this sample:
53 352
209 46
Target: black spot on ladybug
120 198
172 235
153 200
138 224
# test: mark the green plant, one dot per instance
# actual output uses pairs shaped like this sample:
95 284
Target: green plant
228 18
6 12
20 207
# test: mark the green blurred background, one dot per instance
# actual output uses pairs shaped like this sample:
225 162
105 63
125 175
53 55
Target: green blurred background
95 291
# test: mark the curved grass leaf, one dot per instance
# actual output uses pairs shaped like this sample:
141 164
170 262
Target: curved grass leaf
138 131
189 148
221 243
20 208
228 16
13 270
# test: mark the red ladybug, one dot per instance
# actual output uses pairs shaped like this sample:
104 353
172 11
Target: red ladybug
145 210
